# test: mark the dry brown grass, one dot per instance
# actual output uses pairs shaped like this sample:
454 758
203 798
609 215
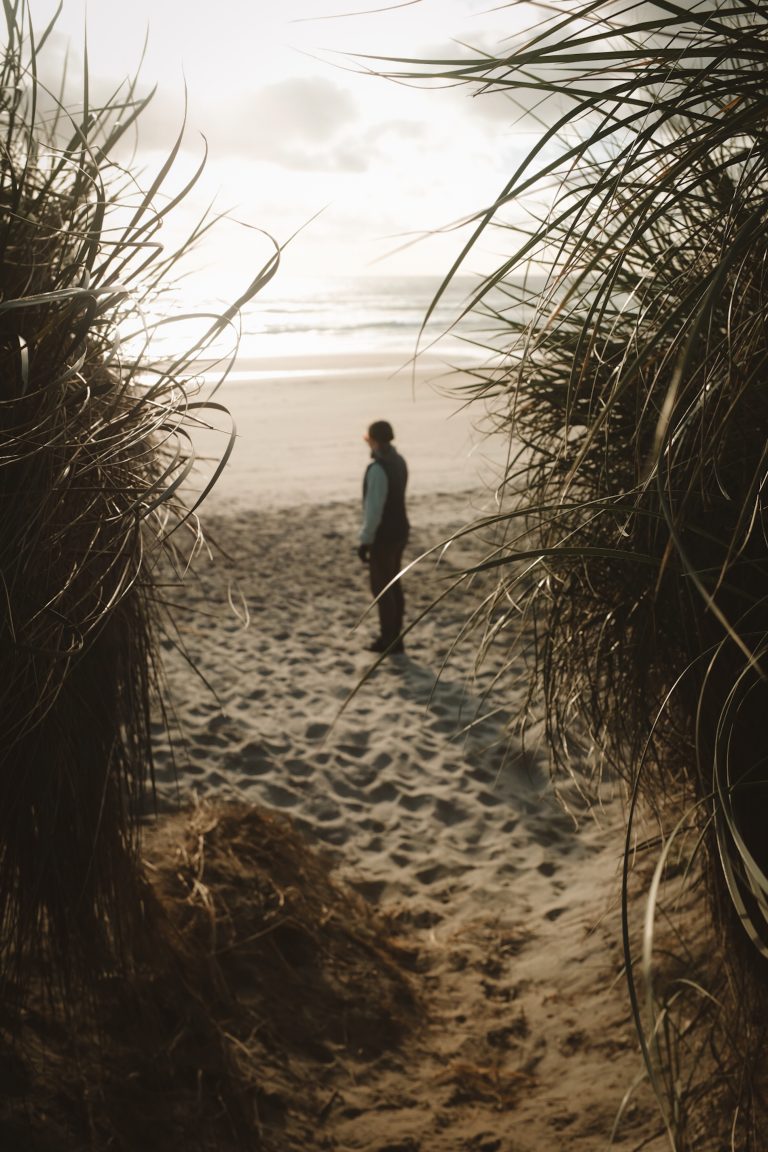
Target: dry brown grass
258 971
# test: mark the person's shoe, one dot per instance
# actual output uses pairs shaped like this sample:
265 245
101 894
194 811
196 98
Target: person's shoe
391 648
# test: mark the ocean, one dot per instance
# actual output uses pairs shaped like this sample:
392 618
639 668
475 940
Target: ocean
331 318
352 315
316 361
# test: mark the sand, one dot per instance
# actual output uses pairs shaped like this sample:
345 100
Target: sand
299 427
406 775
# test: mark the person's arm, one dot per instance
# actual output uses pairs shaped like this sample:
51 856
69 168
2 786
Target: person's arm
373 507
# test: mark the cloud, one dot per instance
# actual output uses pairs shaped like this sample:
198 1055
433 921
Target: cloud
300 122
403 130
304 107
340 158
307 124
379 143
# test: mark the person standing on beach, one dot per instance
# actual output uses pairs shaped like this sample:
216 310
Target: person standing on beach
384 533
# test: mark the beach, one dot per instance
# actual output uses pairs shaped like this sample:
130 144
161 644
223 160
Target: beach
503 897
298 425
279 872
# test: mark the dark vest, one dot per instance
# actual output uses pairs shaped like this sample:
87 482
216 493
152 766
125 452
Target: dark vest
394 525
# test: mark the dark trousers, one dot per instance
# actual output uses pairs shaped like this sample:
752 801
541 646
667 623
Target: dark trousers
386 560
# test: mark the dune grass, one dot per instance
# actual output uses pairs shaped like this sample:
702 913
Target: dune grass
625 362
97 443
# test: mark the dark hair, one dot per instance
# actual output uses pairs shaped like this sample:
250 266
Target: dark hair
381 431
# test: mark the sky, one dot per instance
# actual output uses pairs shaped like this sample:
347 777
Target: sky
367 175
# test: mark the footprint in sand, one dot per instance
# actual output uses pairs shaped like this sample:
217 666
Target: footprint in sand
454 767
444 726
449 813
211 740
223 725
355 750
371 825
344 790
299 767
316 731
481 773
488 799
554 913
215 779
203 711
383 793
413 802
281 797
430 875
254 759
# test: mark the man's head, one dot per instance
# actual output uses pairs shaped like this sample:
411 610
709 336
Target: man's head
380 434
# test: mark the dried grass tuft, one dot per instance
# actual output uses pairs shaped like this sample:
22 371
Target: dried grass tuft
259 973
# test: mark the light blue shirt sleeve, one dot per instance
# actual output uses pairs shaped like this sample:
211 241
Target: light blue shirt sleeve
373 506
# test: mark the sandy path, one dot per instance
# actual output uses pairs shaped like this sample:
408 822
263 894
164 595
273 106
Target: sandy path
513 911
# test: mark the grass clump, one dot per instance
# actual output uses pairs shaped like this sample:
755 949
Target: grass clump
96 441
627 328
